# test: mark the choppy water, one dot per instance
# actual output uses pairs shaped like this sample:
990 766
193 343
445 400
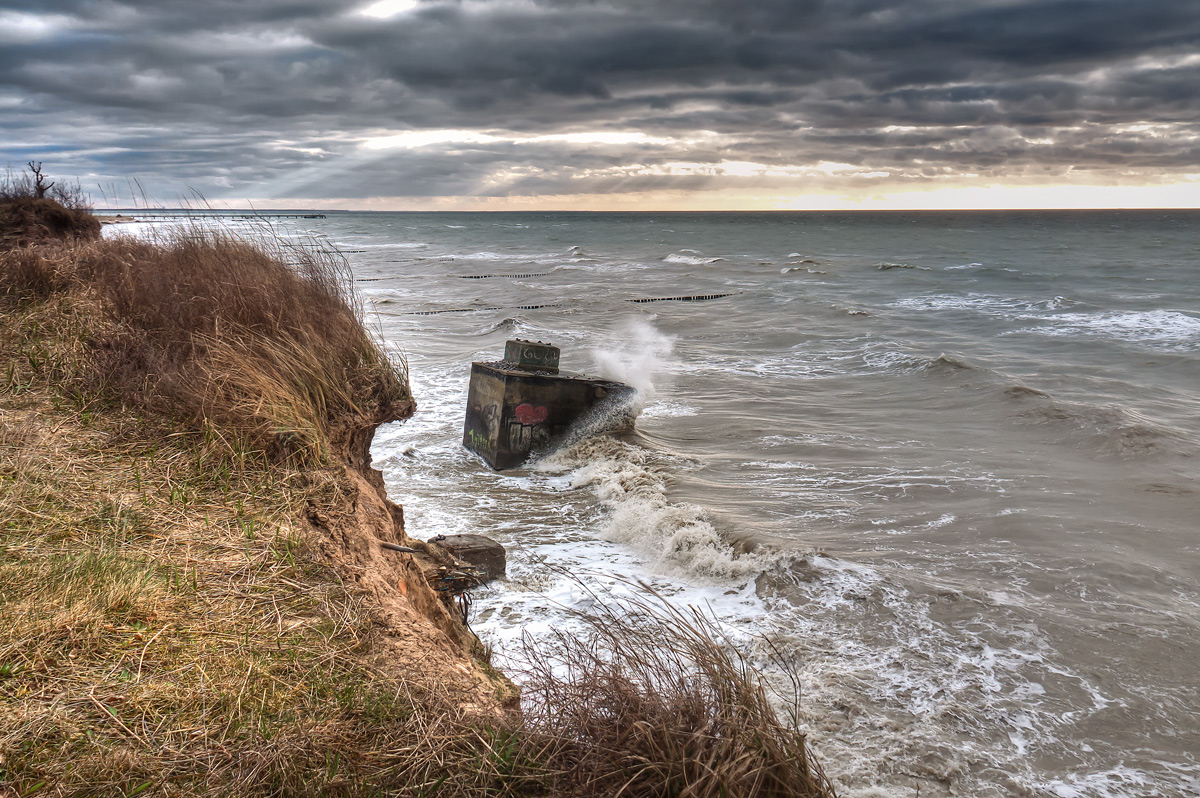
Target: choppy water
945 462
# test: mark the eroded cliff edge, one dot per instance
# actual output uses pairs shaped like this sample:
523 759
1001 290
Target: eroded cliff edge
193 595
424 628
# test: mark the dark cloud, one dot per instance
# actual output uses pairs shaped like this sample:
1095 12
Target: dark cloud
276 97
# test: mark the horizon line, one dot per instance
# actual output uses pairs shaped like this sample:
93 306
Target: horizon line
294 211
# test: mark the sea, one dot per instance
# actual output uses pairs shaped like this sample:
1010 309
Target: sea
940 471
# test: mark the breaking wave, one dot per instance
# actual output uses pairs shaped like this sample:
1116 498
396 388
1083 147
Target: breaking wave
989 304
690 260
636 354
1168 329
631 487
510 326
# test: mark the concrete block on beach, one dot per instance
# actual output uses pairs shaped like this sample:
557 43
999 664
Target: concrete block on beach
523 406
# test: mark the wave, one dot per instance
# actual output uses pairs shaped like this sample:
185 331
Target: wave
944 362
895 361
483 255
637 354
990 304
632 488
509 325
845 490
1024 392
838 358
927 654
1110 430
883 267
690 260
364 247
669 408
1168 329
1106 429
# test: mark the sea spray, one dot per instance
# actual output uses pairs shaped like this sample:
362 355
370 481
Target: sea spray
636 354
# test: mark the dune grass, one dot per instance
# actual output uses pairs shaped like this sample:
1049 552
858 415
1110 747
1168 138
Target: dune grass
219 334
171 413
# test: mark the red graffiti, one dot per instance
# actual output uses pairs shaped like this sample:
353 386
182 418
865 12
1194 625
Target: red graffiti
529 415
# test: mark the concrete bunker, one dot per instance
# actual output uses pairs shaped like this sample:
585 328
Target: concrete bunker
522 406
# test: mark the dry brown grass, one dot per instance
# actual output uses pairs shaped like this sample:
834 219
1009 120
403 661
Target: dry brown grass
25 221
166 630
260 349
165 625
651 701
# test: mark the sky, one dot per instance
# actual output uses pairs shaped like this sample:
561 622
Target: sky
608 104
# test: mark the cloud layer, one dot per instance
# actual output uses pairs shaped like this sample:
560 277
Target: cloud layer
500 98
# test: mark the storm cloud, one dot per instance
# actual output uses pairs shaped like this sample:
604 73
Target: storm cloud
302 99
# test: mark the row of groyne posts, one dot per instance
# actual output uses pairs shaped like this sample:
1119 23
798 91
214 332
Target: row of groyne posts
523 407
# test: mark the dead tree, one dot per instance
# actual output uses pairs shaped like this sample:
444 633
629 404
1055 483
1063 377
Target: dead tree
40 187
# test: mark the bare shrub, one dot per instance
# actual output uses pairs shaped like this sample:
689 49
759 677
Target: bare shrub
32 184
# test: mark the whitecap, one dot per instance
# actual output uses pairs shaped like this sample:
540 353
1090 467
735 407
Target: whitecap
990 304
1118 782
668 408
1166 328
677 537
690 260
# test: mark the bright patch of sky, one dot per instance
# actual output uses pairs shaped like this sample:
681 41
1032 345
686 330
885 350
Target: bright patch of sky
388 8
19 27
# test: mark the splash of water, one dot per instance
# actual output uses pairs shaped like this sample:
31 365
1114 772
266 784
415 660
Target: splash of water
636 354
